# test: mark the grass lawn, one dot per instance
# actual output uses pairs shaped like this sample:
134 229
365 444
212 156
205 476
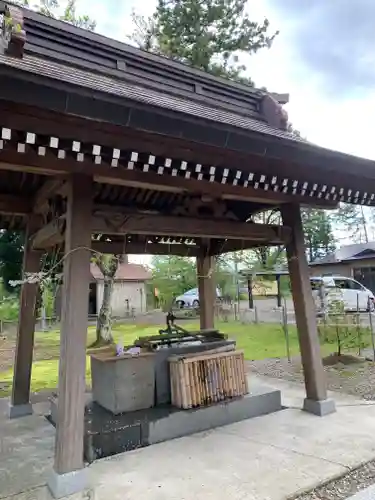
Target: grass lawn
257 341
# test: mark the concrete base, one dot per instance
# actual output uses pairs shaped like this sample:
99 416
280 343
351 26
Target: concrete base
53 405
260 401
17 411
63 485
106 434
319 408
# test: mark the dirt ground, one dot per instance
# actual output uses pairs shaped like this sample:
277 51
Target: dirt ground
7 346
356 378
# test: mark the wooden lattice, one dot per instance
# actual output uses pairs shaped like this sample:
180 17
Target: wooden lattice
201 380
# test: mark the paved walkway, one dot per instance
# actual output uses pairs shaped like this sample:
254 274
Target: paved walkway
267 458
367 494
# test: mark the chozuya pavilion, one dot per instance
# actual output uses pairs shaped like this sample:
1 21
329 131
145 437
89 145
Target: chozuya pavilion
99 138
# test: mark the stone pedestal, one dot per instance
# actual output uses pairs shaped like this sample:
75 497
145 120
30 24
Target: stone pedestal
123 383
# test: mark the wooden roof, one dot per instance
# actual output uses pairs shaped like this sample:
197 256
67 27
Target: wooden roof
140 124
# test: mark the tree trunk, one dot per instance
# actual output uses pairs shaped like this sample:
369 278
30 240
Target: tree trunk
263 251
104 322
364 222
108 266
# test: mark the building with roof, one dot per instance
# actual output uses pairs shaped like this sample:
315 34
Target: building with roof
356 261
129 289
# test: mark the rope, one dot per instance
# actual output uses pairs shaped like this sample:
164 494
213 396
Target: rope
44 275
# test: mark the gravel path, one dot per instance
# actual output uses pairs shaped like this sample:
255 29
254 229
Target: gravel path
357 379
344 486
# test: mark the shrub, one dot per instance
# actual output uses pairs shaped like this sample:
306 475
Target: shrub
342 329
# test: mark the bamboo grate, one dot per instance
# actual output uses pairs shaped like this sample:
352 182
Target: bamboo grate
200 380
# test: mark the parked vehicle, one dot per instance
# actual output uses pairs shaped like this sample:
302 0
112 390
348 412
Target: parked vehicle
191 298
350 292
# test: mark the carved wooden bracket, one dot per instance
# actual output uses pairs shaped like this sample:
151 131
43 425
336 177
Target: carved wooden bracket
49 235
198 207
273 113
56 207
116 222
13 35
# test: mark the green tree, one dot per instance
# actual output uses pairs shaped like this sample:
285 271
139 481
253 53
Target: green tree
351 219
11 256
266 257
224 274
207 34
319 239
51 8
172 276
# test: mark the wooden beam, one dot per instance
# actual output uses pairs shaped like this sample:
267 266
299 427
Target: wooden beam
163 225
136 248
228 246
150 224
50 188
49 165
15 205
50 237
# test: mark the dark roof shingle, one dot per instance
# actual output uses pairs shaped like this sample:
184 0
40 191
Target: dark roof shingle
346 252
113 86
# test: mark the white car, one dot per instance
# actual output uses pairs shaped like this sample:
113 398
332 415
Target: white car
347 290
191 298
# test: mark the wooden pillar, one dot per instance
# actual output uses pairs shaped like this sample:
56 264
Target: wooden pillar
316 393
20 400
206 287
250 292
278 283
69 476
